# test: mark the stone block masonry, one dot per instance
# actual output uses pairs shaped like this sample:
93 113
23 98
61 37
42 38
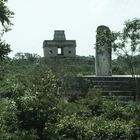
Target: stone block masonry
59 46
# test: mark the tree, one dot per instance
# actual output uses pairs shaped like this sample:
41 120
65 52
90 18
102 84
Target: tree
5 16
127 45
27 56
127 42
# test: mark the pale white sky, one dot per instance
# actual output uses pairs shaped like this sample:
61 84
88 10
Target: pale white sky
36 20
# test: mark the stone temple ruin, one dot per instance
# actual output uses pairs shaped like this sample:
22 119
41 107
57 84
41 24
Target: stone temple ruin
59 46
118 85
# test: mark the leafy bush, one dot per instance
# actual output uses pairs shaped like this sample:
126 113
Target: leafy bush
71 127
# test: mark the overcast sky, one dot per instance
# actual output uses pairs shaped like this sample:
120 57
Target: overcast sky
36 20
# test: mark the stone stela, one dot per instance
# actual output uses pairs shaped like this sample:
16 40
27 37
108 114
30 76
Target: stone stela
59 46
103 60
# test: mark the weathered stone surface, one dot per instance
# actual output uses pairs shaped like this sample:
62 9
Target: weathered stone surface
103 66
59 35
59 46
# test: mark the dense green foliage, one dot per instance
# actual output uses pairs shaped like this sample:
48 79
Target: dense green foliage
32 108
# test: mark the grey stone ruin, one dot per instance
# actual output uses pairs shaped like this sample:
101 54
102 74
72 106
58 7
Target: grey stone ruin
59 46
103 66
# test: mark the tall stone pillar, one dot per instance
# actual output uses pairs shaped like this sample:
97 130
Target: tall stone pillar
103 64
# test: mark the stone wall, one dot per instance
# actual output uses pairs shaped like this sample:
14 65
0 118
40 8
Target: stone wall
59 43
50 52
